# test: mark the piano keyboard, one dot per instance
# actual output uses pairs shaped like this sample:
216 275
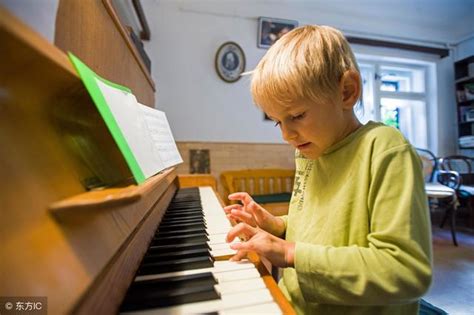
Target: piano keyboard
180 274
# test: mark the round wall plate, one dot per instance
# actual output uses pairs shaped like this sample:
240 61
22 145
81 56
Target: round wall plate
230 61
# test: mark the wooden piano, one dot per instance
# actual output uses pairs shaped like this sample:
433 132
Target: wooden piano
62 237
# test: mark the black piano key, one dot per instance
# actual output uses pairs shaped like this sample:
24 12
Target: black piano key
191 203
184 220
179 208
175 226
201 229
184 201
181 239
179 220
172 217
184 226
165 298
169 256
198 236
197 279
184 209
191 209
162 248
176 265
183 213
177 205
180 243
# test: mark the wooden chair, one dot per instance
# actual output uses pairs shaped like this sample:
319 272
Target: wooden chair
271 188
465 192
196 180
440 187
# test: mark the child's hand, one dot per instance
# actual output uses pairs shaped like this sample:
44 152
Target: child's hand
278 251
253 214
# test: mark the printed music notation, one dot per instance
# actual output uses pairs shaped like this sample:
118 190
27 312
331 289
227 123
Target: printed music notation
142 134
159 129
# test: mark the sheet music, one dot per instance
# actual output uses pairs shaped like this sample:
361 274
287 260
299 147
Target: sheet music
145 130
159 129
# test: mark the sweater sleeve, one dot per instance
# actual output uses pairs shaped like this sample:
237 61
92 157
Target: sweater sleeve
395 267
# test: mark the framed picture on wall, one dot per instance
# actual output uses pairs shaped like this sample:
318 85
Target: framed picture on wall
230 62
271 29
199 162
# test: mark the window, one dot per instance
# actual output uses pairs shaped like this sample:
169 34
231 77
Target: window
395 94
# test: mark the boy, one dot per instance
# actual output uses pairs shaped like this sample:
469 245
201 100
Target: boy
357 236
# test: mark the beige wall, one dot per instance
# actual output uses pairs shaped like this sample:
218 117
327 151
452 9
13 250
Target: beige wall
235 156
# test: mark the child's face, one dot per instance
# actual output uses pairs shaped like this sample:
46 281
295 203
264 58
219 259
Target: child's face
313 127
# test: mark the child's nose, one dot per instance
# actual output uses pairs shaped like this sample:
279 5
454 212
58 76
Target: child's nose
288 133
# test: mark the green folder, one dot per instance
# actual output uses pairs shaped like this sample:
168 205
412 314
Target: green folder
89 78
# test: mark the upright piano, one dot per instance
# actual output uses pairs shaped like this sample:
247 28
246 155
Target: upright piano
156 247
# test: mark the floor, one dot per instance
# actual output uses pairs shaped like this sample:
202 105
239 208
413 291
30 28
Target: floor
453 283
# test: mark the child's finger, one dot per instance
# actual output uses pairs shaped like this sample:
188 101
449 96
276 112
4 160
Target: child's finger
241 229
243 196
257 210
239 256
243 246
235 220
227 209
243 216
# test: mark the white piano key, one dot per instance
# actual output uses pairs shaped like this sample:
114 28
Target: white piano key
228 276
217 238
217 223
223 252
223 245
221 229
219 267
270 308
227 302
240 285
227 265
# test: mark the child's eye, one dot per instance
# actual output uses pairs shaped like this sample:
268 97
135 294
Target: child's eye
277 123
297 117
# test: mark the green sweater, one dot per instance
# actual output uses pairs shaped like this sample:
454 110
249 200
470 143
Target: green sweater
359 217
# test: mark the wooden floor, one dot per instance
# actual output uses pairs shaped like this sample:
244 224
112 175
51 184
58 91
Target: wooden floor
453 284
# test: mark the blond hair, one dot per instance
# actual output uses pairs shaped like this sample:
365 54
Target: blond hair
305 64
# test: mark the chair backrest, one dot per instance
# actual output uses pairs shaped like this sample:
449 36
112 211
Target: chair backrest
258 181
458 163
193 180
429 162
461 164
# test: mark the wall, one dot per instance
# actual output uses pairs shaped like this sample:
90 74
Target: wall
201 107
465 48
446 121
236 156
40 15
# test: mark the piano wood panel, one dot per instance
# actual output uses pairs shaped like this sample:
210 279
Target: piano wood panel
44 112
91 30
106 295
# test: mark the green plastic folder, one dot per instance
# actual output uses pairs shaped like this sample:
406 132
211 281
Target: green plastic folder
90 80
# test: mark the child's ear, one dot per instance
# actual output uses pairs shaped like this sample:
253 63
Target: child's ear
350 88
